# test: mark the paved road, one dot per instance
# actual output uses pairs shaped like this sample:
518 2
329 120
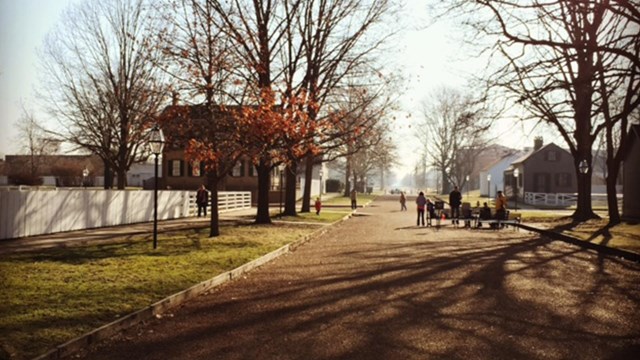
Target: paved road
377 287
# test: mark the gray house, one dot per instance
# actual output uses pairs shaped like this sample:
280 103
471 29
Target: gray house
631 176
547 169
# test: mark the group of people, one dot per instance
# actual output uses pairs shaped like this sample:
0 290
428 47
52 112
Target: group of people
455 202
423 204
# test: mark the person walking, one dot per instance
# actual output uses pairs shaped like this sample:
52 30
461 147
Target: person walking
403 201
421 202
318 205
455 200
202 198
354 199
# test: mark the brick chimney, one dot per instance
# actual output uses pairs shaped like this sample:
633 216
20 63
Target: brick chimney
537 143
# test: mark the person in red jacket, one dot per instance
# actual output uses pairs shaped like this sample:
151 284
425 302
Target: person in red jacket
318 205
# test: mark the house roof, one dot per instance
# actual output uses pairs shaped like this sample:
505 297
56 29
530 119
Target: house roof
526 156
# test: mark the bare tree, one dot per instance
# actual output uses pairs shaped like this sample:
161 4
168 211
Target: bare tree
100 82
571 64
36 143
340 40
452 133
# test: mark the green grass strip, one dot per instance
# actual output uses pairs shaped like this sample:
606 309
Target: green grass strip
52 296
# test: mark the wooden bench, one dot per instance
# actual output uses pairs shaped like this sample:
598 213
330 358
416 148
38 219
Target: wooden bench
513 218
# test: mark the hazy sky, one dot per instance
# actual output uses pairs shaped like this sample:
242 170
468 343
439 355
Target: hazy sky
429 57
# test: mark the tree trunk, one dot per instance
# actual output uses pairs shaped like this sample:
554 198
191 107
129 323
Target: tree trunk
290 195
347 183
612 196
108 178
445 182
308 177
584 211
264 185
122 178
214 223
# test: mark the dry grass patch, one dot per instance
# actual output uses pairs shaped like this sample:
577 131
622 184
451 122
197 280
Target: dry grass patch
623 236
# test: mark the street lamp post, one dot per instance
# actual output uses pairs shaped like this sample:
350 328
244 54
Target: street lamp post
468 185
516 174
281 169
156 143
489 187
85 173
320 174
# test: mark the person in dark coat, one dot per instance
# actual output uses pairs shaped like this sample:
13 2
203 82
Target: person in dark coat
202 198
455 200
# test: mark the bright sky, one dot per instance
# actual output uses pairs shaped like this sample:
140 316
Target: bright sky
430 58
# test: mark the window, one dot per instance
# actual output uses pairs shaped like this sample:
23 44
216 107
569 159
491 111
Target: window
552 156
253 171
196 169
175 168
563 179
238 169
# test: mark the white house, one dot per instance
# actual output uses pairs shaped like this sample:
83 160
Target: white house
490 186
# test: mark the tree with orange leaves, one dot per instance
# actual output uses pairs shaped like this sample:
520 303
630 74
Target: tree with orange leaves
200 62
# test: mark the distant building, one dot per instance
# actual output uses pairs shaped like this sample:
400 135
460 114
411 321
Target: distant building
547 169
53 170
496 170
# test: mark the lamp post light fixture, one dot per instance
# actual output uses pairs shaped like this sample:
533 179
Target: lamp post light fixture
583 167
516 174
156 143
489 187
468 186
85 173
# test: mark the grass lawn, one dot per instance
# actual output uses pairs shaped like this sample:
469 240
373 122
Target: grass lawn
326 216
52 296
623 236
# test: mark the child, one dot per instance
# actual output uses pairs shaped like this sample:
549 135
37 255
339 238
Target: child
318 206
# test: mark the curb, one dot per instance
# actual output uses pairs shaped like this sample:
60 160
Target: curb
628 255
107 331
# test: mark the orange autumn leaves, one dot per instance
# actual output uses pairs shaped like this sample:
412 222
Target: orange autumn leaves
280 129
277 129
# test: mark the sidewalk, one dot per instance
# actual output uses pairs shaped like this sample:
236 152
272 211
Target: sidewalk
378 287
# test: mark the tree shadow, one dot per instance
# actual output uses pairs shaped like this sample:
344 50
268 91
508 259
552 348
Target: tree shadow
507 297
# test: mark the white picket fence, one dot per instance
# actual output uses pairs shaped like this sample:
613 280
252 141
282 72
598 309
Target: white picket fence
561 199
550 198
227 200
36 212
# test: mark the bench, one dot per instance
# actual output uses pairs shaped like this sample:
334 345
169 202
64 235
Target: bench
512 218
